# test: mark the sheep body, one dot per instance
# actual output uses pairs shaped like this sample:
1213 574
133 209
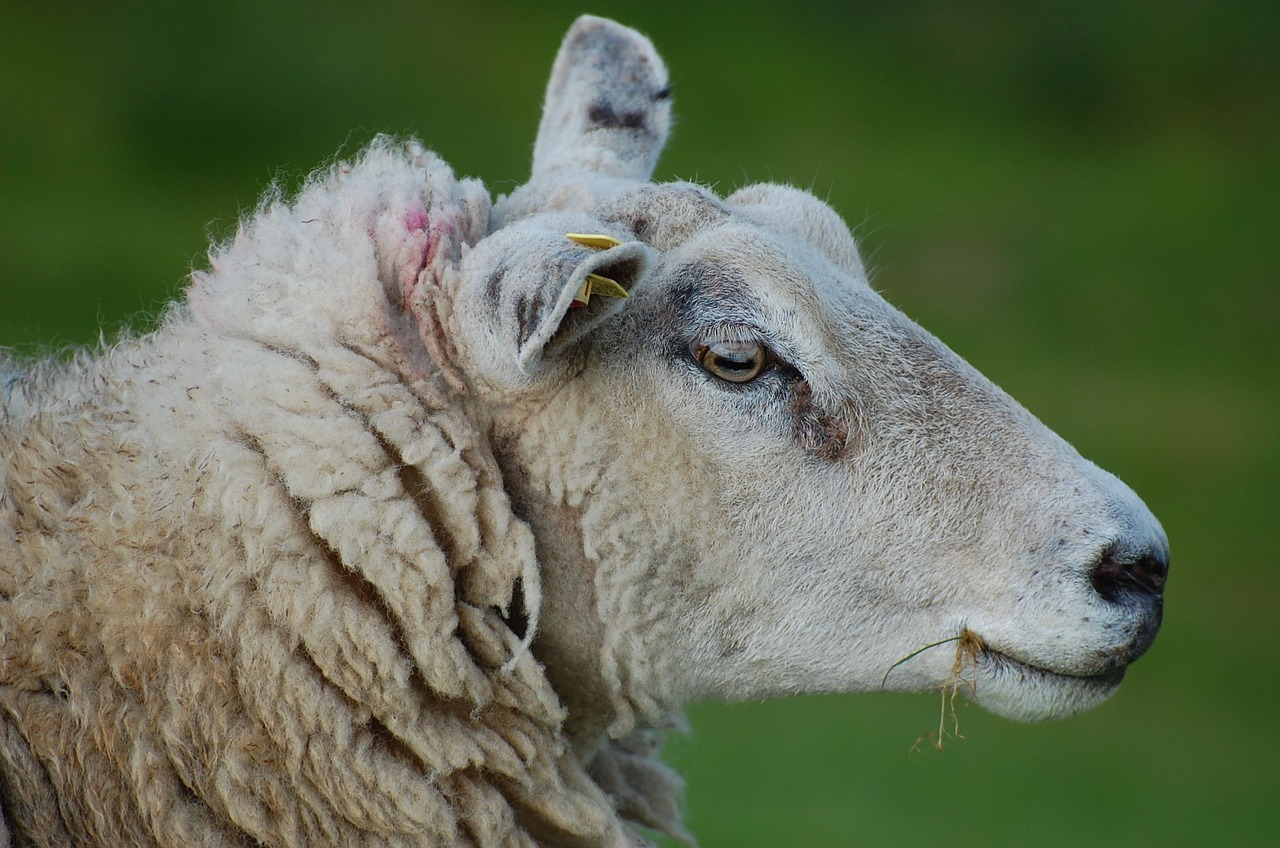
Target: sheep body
386 536
260 558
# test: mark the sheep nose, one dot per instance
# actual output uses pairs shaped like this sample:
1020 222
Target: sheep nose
1121 574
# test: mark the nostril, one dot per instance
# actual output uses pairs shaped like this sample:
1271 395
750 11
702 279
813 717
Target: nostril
1118 572
1150 571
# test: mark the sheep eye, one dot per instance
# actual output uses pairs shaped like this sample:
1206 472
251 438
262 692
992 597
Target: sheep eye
732 361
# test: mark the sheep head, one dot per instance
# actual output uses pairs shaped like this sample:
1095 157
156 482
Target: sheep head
752 476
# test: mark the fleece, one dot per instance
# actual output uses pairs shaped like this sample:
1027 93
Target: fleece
260 582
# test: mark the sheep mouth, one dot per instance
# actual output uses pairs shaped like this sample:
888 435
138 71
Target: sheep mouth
1001 664
1026 691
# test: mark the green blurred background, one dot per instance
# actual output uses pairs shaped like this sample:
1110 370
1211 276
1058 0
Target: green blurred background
1081 198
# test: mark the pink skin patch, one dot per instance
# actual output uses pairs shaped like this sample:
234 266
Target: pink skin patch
415 219
428 231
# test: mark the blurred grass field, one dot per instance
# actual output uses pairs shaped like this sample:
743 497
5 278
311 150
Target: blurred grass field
1082 199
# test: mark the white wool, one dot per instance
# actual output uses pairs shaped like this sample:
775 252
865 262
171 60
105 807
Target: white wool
255 563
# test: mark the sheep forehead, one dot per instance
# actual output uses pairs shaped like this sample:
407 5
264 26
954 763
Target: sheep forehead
738 273
668 214
780 261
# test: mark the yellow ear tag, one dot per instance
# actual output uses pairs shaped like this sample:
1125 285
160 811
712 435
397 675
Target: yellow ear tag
594 283
595 240
605 287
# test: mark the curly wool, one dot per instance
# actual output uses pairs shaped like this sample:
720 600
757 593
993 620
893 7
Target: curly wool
259 576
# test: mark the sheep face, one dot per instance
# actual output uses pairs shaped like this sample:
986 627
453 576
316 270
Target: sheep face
753 476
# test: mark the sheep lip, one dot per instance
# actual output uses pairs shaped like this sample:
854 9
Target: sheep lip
1027 691
1002 664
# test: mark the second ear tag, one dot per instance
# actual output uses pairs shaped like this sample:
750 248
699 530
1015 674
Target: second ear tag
595 283
606 287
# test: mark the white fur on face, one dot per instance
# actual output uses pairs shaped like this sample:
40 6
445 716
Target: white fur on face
868 495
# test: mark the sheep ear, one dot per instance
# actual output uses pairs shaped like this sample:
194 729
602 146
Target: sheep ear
532 292
580 292
608 107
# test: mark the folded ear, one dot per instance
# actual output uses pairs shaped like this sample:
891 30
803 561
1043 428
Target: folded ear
608 106
802 215
534 289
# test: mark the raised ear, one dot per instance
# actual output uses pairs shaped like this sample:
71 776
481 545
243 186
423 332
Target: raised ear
524 294
608 106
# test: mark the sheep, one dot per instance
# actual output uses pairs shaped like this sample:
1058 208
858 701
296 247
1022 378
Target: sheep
419 518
